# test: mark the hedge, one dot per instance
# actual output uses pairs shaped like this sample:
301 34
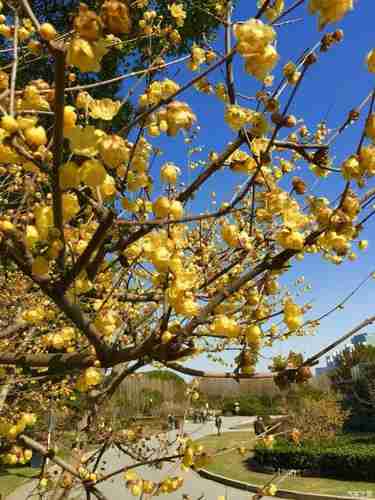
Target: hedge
348 458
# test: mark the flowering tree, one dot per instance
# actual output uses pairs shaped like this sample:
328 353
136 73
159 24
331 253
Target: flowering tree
104 271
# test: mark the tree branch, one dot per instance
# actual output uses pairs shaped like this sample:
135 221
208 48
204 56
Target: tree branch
84 258
229 61
13 77
188 192
314 359
200 373
59 52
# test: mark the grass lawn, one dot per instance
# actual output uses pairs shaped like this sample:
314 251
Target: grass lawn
233 465
13 477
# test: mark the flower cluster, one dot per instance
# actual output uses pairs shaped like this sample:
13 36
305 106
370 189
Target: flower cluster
255 45
330 11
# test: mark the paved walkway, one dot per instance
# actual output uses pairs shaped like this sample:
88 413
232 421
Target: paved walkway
194 486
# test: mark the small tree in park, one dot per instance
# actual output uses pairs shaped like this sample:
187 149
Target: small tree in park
108 264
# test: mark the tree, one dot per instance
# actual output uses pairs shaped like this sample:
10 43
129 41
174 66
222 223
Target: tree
319 420
358 393
348 359
132 48
105 244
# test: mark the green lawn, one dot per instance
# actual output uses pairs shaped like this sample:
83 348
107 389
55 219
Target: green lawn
233 465
13 477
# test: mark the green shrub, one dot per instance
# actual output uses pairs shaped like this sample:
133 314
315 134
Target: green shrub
350 457
361 422
252 404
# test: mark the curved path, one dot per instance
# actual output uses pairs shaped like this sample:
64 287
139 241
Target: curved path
194 486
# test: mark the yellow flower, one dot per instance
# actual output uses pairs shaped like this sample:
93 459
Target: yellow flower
370 127
92 173
40 266
255 34
370 61
236 116
84 141
363 244
230 234
70 117
32 99
178 13
108 187
32 237
259 124
70 206
242 162
161 207
275 9
36 136
85 55
43 220
330 11
367 160
114 151
92 376
262 63
7 154
116 17
169 173
105 109
253 334
69 175
290 239
351 168
179 116
223 325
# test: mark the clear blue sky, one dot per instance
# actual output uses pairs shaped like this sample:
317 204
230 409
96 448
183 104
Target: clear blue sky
334 86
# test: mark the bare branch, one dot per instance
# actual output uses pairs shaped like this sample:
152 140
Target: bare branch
314 359
84 258
13 78
200 373
58 50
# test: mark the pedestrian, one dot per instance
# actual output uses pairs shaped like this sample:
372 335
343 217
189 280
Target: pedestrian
218 423
170 422
259 427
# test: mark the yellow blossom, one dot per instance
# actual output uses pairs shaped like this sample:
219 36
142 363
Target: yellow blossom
104 109
85 55
84 141
178 13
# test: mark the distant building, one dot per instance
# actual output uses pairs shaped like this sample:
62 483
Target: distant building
332 359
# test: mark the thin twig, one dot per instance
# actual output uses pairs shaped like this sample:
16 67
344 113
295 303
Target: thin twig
164 102
59 53
31 14
229 61
14 63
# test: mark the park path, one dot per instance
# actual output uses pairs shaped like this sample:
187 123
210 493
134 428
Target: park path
194 486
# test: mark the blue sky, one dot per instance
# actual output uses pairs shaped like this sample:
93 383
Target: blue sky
336 84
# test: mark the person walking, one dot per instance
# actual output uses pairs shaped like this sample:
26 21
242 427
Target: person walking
170 422
218 423
259 427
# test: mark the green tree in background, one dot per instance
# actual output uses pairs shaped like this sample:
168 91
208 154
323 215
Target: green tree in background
358 393
134 51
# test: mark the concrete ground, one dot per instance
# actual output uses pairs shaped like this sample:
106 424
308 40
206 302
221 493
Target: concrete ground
194 486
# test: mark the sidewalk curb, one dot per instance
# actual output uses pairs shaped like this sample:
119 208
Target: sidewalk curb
295 495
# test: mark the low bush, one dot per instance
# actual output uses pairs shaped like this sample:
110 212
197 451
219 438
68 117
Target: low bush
349 457
251 404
